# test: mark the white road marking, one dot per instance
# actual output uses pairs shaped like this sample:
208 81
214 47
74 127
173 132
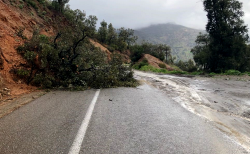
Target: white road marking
76 146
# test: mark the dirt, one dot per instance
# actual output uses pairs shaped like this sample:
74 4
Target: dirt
102 48
222 100
153 61
124 56
12 19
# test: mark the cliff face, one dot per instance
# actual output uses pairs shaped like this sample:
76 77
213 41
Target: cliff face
12 20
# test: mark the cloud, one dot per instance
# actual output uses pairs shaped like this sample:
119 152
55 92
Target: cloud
142 13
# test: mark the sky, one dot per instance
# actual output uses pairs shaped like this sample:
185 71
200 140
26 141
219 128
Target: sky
142 13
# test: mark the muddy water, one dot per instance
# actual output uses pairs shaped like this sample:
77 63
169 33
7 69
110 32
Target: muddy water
223 101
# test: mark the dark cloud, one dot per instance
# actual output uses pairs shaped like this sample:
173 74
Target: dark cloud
141 13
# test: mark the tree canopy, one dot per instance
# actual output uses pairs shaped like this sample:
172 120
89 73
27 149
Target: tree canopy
224 47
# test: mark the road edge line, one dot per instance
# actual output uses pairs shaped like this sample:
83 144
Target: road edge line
76 146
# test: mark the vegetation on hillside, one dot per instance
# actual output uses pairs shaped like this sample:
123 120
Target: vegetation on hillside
68 59
116 39
160 51
179 38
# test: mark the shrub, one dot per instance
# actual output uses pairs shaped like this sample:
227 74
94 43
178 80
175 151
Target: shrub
32 3
232 72
141 64
161 65
22 73
19 33
21 6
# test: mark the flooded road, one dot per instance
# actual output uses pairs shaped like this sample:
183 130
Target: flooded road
224 101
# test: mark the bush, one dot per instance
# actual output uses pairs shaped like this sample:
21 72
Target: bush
20 6
43 81
161 65
22 73
188 66
232 72
32 3
157 70
141 64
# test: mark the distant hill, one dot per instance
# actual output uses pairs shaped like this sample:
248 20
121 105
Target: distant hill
181 39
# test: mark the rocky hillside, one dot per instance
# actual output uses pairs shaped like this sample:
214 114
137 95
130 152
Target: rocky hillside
181 39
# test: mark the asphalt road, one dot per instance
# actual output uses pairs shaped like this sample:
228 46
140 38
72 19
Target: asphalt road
124 121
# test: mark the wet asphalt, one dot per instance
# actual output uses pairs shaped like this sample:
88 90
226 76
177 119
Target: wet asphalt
124 121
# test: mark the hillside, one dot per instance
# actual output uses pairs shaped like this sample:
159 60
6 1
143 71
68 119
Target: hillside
181 39
43 47
12 18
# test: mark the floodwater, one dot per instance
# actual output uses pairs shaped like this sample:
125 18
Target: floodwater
224 101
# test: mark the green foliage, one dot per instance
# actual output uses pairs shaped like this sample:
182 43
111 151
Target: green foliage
103 32
113 75
41 1
21 6
19 33
232 72
160 51
69 60
111 36
32 3
227 36
44 81
141 64
188 66
59 5
127 36
22 73
120 39
157 70
161 65
202 52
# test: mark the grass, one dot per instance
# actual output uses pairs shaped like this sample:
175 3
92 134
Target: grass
231 72
148 68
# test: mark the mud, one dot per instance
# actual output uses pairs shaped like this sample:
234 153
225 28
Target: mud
222 100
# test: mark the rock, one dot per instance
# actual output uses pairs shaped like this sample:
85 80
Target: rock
110 100
71 86
215 102
6 89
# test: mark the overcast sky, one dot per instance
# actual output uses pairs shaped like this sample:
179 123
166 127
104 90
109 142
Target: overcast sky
141 13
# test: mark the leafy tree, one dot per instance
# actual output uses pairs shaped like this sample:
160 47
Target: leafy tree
201 51
112 35
227 33
161 51
127 36
188 66
103 32
59 4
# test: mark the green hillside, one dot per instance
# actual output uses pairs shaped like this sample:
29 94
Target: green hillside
181 39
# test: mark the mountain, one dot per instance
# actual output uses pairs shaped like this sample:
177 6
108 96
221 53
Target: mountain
181 39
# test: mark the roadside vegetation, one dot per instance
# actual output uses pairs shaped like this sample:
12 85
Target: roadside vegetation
68 59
